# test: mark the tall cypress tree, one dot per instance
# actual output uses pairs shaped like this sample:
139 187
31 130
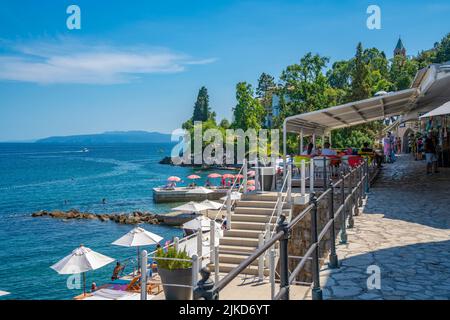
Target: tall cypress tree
202 111
360 88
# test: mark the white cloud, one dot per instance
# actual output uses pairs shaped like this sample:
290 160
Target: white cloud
66 61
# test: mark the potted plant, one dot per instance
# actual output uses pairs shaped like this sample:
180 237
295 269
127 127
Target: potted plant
178 272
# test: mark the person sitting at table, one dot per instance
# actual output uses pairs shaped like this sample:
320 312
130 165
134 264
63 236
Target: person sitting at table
327 151
310 151
378 158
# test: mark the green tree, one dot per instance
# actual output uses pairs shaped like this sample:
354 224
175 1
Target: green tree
248 113
360 86
443 50
402 72
202 112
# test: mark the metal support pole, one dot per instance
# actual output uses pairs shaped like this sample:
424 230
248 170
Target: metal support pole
343 213
325 173
334 262
199 244
229 210
301 141
212 240
316 291
284 149
311 175
267 233
216 264
144 258
289 185
367 177
195 269
284 263
272 272
257 176
302 178
176 242
245 174
261 258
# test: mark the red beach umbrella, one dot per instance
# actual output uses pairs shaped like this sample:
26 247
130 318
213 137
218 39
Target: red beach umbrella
251 173
174 179
251 182
214 176
193 177
228 176
251 188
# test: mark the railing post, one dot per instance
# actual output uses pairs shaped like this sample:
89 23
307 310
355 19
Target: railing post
257 176
261 258
367 177
216 264
244 173
229 210
144 257
316 291
199 244
361 189
334 262
268 234
284 263
343 213
176 243
303 178
289 184
272 272
311 175
212 240
325 173
195 268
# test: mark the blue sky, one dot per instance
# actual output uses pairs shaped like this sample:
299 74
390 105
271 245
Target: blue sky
138 65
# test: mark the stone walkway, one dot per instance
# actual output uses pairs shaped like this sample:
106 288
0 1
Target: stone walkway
404 231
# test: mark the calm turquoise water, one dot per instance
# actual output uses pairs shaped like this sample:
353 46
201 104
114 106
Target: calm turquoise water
35 177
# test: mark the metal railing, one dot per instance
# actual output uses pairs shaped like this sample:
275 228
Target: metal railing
357 182
228 202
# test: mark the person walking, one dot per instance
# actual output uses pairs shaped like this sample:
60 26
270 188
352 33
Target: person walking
430 154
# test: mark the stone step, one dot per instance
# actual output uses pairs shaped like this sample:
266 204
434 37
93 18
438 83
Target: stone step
272 197
239 241
249 225
242 233
234 249
251 218
259 204
235 259
251 270
250 210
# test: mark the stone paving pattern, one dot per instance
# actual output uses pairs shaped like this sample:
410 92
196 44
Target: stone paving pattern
405 231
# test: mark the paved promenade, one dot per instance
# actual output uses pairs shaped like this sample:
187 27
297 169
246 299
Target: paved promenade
405 231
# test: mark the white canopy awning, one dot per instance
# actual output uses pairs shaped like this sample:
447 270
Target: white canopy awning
441 111
353 113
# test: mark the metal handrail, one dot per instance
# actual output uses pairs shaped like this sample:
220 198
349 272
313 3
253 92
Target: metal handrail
275 209
231 190
282 233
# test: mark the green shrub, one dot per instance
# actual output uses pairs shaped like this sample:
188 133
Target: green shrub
173 254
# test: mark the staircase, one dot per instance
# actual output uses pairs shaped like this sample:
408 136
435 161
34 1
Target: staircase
249 220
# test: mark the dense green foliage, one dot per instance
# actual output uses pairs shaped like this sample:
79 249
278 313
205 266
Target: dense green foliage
172 253
311 84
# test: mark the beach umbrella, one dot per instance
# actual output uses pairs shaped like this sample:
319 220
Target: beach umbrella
251 173
234 196
228 176
81 260
192 207
251 188
200 190
174 179
138 237
199 222
213 205
193 177
214 175
251 182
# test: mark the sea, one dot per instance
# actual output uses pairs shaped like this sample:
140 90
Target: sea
37 177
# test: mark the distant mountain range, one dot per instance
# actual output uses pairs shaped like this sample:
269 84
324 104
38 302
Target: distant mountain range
110 138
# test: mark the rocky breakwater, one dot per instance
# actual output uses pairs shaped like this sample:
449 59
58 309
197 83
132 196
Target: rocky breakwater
122 218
